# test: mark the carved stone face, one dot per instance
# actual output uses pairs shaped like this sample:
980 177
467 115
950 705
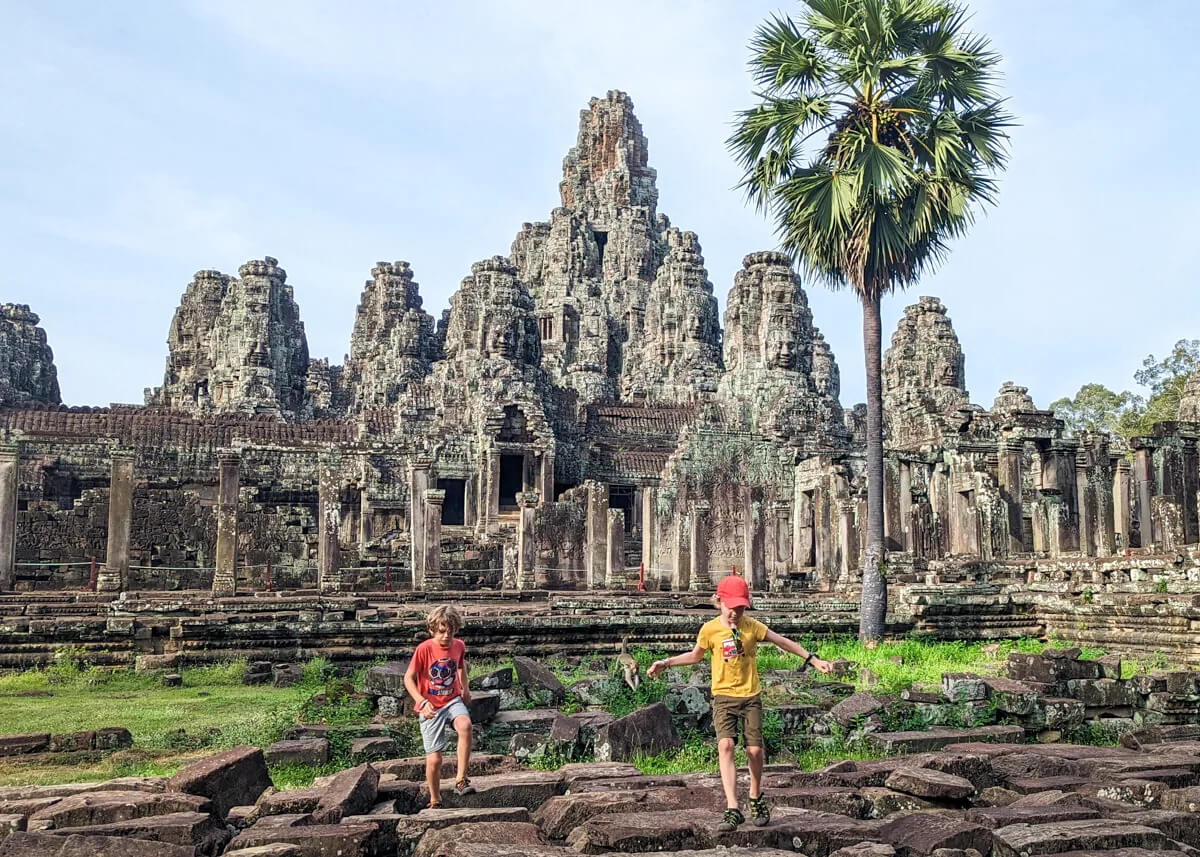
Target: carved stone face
502 338
781 349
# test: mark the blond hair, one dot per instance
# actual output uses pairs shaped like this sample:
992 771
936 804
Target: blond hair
445 616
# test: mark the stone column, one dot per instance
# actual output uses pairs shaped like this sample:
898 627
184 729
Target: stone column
803 531
115 574
366 521
681 570
1011 457
597 534
1086 503
893 527
780 554
491 497
649 523
9 478
1121 501
431 572
418 482
526 545
1143 489
848 539
753 553
225 574
906 534
701 580
329 516
614 572
471 500
546 476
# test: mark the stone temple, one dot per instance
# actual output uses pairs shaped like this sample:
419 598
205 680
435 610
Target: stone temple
579 415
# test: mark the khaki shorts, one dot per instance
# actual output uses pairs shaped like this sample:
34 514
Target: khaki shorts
730 712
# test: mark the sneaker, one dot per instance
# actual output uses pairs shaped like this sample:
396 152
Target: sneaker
464 787
730 821
434 804
760 813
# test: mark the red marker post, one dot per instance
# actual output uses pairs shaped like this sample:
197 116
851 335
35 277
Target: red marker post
641 577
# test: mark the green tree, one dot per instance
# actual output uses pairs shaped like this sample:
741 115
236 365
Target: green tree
875 139
1097 408
1166 379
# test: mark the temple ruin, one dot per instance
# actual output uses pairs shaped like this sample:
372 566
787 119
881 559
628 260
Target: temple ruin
580 416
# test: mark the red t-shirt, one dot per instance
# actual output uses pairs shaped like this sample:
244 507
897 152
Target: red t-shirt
436 668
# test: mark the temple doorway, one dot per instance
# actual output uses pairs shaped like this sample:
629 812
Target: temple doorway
621 497
454 506
512 479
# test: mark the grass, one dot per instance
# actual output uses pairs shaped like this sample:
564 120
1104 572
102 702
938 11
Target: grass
213 710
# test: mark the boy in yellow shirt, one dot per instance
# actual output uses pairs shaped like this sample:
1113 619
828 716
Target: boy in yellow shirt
733 639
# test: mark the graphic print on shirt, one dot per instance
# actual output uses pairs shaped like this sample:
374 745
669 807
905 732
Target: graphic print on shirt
731 647
441 677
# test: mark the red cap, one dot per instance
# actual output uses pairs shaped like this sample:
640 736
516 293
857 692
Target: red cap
733 591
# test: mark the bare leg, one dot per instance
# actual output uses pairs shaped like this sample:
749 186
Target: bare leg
462 725
755 755
433 776
728 771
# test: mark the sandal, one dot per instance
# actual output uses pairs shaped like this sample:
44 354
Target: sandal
730 821
759 811
464 787
434 804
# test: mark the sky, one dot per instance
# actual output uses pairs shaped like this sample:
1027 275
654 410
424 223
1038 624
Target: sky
142 141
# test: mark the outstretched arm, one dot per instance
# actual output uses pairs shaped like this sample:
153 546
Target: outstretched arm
695 656
797 649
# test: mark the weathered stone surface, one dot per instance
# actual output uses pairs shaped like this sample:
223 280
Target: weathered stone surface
529 789
386 680
350 792
27 372
237 345
106 807
198 830
647 731
303 751
536 678
495 680
1088 834
444 842
50 845
884 802
926 783
232 778
371 748
484 706
934 739
856 708
922 833
312 840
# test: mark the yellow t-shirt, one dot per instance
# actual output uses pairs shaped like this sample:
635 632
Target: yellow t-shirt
734 670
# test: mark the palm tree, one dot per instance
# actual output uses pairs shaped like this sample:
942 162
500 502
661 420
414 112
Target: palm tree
876 137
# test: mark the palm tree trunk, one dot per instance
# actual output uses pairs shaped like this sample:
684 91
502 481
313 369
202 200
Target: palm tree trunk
874 588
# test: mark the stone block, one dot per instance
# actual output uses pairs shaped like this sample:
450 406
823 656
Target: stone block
935 739
286 675
301 751
30 742
197 830
538 680
232 778
1029 840
50 845
922 833
647 731
371 748
1101 692
484 706
444 842
388 706
92 808
172 680
315 840
350 792
856 708
386 680
930 784
964 687
495 680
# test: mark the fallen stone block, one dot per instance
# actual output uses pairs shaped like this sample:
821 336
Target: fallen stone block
839 801
18 745
1101 692
232 778
386 680
286 675
399 833
922 833
93 808
370 749
301 751
279 849
1101 834
529 789
647 731
642 831
1180 826
313 840
964 687
349 792
538 681
484 706
444 842
199 830
495 680
856 708
866 849
929 784
884 802
50 845
935 739
995 817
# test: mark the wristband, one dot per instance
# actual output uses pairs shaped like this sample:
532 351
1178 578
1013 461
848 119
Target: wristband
807 660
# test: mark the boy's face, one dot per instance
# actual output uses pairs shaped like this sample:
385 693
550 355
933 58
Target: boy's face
442 635
732 615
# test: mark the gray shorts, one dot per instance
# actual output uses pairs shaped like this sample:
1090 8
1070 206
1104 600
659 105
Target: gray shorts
433 730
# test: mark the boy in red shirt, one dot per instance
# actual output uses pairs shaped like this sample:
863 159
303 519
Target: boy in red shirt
436 679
